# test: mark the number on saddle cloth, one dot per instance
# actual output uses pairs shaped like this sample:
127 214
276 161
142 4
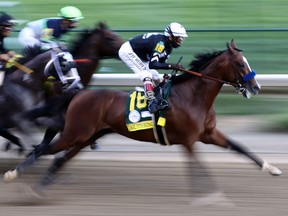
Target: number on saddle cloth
137 115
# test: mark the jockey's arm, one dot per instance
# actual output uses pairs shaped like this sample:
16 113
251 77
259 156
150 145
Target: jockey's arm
155 64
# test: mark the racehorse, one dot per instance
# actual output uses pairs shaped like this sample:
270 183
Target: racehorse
94 113
92 46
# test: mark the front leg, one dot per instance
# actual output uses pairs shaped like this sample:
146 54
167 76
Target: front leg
216 137
204 189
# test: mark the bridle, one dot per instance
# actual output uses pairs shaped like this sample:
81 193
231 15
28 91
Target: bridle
237 85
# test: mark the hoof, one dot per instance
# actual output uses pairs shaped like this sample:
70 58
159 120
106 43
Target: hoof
271 169
93 146
212 199
10 176
34 192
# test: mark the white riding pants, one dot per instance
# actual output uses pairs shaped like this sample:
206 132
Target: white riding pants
27 37
130 58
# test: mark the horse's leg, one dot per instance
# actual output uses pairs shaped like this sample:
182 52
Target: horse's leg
40 149
57 164
53 148
12 138
216 137
203 188
37 152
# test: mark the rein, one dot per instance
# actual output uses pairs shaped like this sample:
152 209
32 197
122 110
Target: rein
85 60
236 85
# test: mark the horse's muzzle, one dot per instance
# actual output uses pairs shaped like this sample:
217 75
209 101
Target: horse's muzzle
250 88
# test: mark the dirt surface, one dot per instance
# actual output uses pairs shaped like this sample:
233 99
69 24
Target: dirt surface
135 188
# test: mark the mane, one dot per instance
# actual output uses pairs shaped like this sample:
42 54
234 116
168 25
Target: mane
78 42
200 61
80 39
29 53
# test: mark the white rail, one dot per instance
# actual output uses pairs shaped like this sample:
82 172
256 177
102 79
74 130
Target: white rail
130 79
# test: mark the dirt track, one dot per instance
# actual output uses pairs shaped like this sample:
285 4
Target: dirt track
144 188
128 178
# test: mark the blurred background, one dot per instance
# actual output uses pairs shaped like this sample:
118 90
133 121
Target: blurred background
259 28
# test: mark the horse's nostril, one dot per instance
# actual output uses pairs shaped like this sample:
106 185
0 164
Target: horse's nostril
256 89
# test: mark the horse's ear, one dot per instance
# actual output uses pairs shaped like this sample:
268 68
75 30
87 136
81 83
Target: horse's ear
232 46
102 25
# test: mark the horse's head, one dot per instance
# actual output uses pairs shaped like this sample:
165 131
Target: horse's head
241 72
94 45
101 42
110 42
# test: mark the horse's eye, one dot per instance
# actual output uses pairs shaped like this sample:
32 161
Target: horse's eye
241 64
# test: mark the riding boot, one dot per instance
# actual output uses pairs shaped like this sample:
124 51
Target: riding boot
150 95
156 105
149 89
153 103
153 106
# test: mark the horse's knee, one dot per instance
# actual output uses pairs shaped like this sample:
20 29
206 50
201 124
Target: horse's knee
215 137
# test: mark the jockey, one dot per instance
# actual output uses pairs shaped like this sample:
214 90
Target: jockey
6 25
47 33
146 53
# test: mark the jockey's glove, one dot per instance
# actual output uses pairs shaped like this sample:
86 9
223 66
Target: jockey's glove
176 66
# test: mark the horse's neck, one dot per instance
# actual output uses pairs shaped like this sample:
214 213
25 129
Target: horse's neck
200 91
210 88
38 63
86 69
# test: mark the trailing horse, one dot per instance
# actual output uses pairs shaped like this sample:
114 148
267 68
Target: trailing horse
23 92
94 113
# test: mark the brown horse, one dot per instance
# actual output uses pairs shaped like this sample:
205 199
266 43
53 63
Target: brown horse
94 113
92 46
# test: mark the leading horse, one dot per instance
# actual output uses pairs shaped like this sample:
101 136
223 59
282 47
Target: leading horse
94 113
92 46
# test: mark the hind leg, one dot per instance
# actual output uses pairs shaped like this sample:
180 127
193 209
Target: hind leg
57 164
216 137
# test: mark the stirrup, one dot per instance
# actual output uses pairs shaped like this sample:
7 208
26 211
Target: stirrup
164 105
153 106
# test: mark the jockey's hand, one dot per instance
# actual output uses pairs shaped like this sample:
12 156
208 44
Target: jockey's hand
11 53
176 66
4 57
